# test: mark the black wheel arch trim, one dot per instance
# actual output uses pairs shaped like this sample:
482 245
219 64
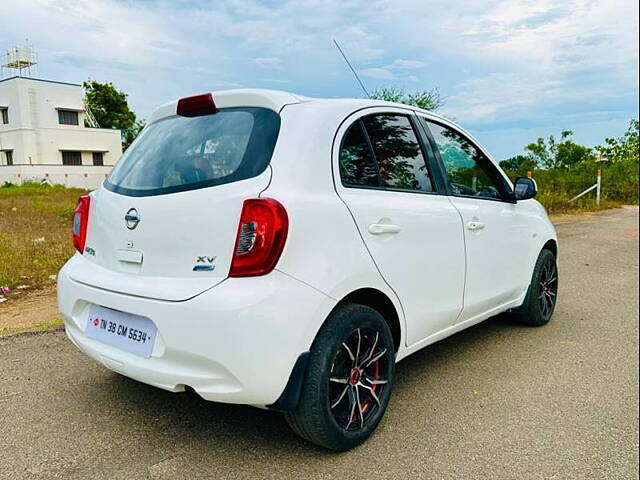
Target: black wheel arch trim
288 399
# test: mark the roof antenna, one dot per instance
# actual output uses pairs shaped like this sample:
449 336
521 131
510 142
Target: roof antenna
354 72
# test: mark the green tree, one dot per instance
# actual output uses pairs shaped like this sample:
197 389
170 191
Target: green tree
553 154
111 110
520 164
130 134
425 99
623 148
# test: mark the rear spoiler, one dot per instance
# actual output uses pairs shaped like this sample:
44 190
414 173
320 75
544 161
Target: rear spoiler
271 99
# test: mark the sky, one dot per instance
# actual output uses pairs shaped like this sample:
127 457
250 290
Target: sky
510 71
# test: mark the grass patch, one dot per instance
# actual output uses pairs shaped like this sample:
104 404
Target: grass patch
558 202
35 232
40 327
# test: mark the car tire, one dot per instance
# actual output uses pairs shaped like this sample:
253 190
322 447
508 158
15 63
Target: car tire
542 295
351 368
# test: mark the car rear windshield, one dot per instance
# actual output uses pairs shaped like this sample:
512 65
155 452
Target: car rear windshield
179 153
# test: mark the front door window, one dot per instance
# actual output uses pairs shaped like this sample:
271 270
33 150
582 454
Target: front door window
470 172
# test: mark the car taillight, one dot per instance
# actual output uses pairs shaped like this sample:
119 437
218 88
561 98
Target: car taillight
196 106
80 221
262 233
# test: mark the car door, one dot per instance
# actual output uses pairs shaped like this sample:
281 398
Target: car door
496 233
412 231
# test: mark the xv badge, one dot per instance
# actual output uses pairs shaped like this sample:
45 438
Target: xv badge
204 264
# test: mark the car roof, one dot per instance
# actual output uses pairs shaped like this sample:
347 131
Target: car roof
276 100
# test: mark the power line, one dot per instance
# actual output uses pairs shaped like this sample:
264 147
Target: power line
354 72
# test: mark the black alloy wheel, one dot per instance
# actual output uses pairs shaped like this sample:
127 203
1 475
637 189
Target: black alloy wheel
349 379
542 296
357 379
548 291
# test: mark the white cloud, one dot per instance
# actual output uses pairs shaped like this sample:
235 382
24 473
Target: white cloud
500 96
273 62
383 73
276 80
408 64
394 70
495 61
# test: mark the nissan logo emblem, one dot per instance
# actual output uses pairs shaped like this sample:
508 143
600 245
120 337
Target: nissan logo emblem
132 218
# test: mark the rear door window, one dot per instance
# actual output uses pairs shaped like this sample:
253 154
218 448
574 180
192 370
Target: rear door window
357 166
383 151
179 153
398 154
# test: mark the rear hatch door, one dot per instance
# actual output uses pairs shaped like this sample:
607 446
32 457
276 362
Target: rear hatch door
164 223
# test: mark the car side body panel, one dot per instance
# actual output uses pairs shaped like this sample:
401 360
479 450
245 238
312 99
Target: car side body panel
424 261
324 248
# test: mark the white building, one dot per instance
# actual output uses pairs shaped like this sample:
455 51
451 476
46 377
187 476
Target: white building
43 135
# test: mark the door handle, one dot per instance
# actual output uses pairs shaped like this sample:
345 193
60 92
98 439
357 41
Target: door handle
475 225
380 228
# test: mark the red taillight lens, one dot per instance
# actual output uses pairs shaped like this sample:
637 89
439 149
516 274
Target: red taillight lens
262 233
196 106
80 221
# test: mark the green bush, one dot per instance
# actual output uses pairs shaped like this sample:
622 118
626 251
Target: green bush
556 187
564 169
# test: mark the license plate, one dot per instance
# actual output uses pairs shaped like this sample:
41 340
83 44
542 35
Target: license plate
133 333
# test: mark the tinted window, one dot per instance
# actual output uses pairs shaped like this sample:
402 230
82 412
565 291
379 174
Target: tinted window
357 167
398 153
98 158
470 173
67 117
179 153
71 158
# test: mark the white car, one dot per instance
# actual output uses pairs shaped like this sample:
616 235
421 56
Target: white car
285 252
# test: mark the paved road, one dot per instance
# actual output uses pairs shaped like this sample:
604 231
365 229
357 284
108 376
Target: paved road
496 401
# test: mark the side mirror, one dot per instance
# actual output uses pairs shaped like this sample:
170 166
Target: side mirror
525 188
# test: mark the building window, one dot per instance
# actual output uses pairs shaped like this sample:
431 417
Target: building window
98 158
5 115
8 157
71 158
67 117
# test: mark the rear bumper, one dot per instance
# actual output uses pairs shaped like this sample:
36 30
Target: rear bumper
235 343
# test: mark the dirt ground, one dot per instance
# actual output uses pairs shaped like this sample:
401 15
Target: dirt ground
28 311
